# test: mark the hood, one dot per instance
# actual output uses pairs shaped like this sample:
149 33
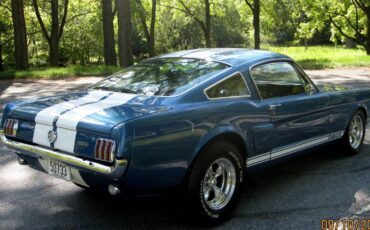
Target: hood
92 111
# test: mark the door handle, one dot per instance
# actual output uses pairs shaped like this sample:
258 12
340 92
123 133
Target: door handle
273 108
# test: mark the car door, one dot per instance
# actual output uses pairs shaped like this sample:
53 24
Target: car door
298 111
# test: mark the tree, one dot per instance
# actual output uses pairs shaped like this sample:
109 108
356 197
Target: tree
206 24
350 19
356 32
124 33
305 32
149 33
255 8
56 30
20 35
108 31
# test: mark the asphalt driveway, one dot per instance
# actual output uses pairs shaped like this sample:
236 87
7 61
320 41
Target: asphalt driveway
296 193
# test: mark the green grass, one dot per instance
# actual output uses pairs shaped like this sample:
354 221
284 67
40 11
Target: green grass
322 57
59 72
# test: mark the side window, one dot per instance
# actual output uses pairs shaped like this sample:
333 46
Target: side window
278 79
307 84
233 86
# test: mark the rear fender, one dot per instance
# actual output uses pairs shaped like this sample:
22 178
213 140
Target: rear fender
215 132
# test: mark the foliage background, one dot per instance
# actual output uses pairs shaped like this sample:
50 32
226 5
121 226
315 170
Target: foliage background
283 23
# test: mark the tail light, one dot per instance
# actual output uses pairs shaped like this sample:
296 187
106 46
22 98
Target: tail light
104 149
10 127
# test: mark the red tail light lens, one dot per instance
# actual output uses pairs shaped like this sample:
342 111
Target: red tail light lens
10 127
104 149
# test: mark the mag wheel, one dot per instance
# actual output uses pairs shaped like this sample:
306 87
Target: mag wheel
218 184
355 133
214 185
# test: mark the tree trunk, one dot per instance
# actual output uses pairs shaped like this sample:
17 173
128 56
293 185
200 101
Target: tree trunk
54 41
56 29
149 33
256 24
152 29
124 33
108 31
305 44
207 31
20 35
367 43
1 58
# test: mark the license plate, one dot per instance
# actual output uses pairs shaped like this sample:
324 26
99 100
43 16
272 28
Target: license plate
59 170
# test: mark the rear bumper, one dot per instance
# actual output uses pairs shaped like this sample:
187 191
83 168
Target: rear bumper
90 168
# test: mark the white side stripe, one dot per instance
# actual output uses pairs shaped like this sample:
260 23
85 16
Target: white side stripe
258 159
293 148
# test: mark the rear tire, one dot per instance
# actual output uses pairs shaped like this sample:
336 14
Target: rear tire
215 183
354 135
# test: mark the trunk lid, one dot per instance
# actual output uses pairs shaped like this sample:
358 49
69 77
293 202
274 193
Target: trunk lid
86 115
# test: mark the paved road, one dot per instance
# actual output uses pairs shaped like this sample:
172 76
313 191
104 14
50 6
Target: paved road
292 194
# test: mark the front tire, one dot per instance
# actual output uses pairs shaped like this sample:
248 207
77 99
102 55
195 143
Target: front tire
215 183
353 138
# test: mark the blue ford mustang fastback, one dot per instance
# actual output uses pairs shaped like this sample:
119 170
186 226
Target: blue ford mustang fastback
193 119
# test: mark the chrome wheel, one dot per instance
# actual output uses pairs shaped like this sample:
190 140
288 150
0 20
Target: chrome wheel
356 131
219 183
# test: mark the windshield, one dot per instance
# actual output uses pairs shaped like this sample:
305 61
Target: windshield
161 76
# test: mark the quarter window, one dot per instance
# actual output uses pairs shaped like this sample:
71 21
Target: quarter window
278 79
233 86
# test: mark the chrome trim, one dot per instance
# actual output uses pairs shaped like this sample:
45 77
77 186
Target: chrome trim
11 127
304 75
40 152
224 79
293 148
102 151
274 60
183 93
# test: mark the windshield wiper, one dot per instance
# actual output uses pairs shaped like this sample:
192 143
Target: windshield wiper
121 90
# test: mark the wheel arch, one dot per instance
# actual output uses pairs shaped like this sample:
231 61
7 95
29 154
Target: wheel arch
363 109
358 107
228 133
225 134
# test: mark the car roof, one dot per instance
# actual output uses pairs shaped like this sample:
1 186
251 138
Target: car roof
230 56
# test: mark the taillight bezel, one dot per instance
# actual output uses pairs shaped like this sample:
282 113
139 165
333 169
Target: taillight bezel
10 127
104 150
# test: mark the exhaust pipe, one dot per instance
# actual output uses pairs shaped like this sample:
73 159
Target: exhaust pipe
113 190
22 161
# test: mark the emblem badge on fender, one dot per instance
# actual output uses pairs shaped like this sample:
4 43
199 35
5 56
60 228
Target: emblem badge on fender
52 136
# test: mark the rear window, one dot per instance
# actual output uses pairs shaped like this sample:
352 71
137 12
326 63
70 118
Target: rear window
161 76
233 86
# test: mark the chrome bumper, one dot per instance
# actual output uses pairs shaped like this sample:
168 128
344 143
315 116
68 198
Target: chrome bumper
116 171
